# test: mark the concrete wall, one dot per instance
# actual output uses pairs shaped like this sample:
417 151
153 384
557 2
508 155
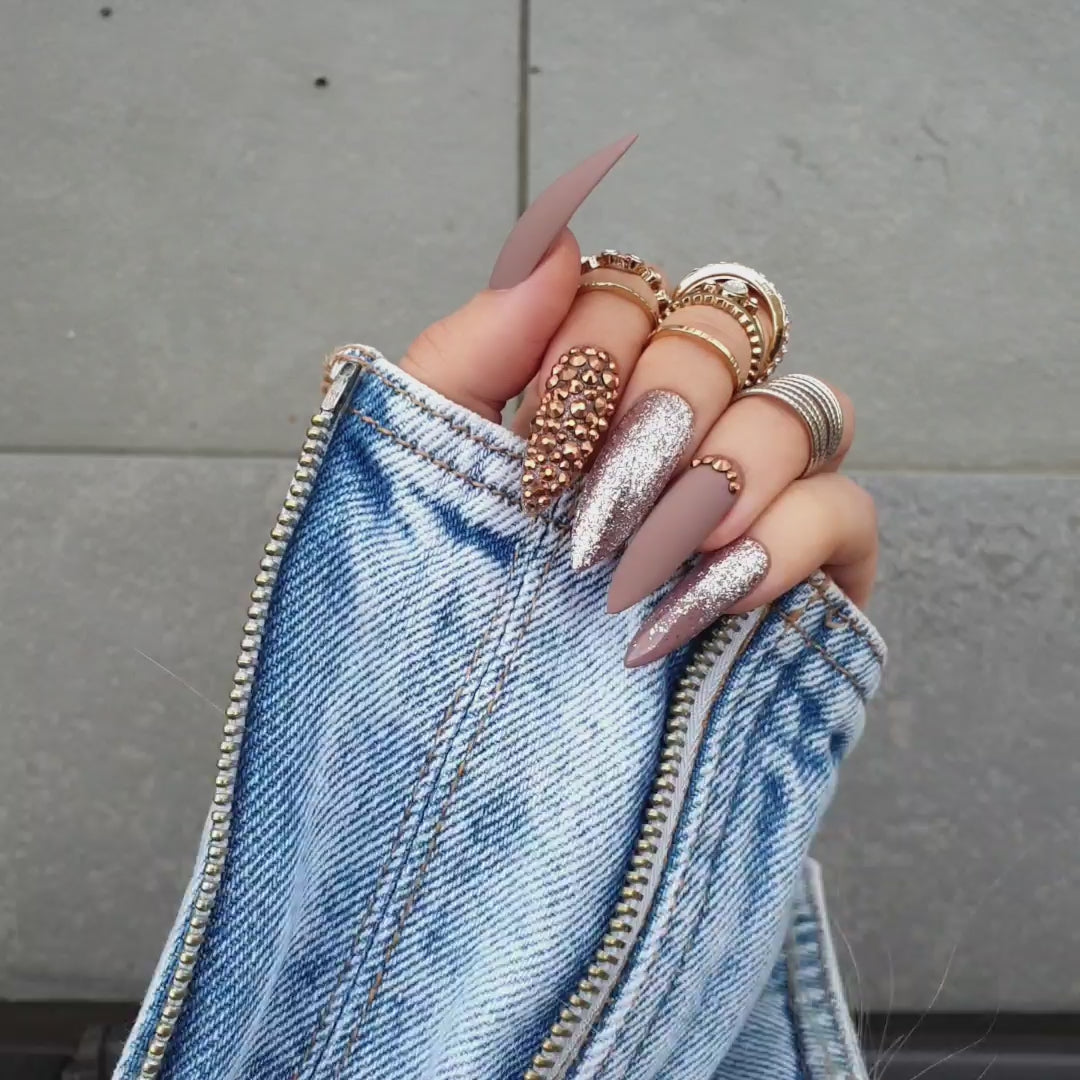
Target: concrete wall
187 222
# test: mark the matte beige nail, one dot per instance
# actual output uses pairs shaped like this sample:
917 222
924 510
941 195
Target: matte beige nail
628 475
549 213
713 587
694 505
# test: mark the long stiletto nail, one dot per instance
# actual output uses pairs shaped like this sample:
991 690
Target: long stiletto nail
698 501
717 583
549 213
628 475
578 400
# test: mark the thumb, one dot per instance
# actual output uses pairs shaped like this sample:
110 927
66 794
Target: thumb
486 352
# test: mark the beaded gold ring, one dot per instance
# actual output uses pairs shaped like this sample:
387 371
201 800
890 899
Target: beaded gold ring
610 259
748 287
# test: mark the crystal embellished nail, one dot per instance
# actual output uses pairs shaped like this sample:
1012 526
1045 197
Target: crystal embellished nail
715 585
629 474
578 400
691 508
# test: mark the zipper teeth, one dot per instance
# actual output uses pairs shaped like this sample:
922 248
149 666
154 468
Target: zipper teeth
579 1016
345 369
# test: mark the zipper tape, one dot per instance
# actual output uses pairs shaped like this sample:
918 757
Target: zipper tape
684 729
345 370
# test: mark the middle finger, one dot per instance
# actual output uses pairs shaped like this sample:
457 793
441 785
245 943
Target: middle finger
694 364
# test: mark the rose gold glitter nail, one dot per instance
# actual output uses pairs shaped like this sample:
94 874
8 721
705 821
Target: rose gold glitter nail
717 583
629 474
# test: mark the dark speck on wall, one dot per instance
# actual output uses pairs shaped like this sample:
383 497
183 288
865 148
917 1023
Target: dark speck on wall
105 12
322 81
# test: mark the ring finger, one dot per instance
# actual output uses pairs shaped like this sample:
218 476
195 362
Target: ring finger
824 521
754 451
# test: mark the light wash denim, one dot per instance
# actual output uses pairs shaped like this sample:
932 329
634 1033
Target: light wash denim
443 777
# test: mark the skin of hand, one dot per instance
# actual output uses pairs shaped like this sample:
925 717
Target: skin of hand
678 466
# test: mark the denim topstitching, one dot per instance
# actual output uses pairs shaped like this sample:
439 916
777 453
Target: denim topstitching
444 817
698 918
506 496
453 424
437 738
681 884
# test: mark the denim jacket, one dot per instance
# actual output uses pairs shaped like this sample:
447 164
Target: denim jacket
452 836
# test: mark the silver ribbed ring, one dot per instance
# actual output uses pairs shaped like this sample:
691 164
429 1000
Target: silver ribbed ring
815 405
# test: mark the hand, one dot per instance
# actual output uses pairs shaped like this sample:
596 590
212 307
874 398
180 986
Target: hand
674 461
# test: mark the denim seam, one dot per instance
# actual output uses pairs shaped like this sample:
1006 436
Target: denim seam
842 615
803 1009
444 465
508 497
453 424
395 843
443 819
702 911
798 1035
677 895
834 1005
791 623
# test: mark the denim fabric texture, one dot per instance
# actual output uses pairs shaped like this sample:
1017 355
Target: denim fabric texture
443 777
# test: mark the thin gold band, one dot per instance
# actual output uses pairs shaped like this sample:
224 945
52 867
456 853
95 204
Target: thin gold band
610 259
692 332
622 290
707 296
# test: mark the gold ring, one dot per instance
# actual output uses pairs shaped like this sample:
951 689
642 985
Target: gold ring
610 259
710 296
678 329
623 290
760 288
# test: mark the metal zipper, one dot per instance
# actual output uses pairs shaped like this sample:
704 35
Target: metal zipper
344 371
688 713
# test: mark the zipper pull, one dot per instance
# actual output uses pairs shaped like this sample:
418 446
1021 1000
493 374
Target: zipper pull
344 375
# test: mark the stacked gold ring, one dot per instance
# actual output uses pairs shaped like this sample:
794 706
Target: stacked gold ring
717 346
610 259
712 296
747 289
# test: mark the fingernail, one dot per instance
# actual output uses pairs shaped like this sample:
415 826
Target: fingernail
629 474
698 501
549 213
578 400
717 583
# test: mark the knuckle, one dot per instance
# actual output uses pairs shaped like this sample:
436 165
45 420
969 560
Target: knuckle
862 502
432 348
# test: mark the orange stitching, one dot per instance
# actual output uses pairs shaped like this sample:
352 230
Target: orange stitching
431 411
445 466
506 496
409 905
821 649
840 614
395 842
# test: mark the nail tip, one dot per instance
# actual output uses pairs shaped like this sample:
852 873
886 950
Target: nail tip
524 248
584 555
580 561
